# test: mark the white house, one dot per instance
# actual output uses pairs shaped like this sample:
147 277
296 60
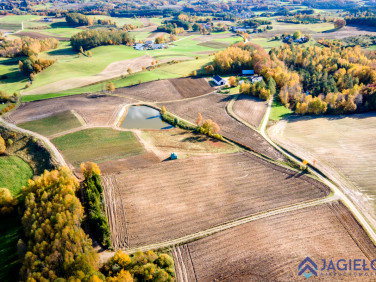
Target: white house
219 80
138 46
255 79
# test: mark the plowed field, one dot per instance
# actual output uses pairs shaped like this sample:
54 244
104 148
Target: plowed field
250 109
214 107
95 110
167 90
176 198
271 249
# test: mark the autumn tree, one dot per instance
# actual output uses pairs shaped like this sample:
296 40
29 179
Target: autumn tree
142 266
159 40
110 86
57 246
199 119
339 23
233 81
297 35
7 201
163 110
129 70
2 145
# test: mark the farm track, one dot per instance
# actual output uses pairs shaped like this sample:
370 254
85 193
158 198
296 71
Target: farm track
51 147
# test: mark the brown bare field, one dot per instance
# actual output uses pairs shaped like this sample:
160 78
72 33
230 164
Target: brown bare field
98 110
250 109
214 107
346 31
38 35
167 90
113 70
176 198
272 248
343 147
132 162
191 87
185 142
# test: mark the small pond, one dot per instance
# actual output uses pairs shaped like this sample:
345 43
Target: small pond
144 117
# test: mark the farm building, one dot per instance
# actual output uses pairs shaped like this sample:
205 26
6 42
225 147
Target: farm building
248 72
138 46
256 78
219 80
157 46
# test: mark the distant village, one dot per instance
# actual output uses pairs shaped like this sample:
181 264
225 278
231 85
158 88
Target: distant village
149 45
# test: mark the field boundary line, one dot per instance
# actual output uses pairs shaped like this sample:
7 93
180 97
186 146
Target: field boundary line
228 225
79 117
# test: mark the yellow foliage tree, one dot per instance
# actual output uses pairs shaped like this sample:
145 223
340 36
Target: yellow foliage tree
2 145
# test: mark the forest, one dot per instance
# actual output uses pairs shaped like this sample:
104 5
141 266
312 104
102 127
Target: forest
332 80
93 38
26 46
56 245
310 80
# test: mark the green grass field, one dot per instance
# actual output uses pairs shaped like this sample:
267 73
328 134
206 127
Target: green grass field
278 111
10 233
11 79
14 173
72 65
109 144
166 71
53 124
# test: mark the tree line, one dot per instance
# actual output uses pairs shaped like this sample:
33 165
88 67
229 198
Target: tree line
95 207
26 46
98 37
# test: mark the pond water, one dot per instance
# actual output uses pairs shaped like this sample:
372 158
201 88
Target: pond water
143 117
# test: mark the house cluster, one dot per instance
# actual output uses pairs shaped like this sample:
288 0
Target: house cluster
238 29
47 20
149 45
206 25
300 40
253 78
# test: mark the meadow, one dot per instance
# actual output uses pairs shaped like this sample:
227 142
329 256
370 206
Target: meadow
14 173
98 145
53 124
